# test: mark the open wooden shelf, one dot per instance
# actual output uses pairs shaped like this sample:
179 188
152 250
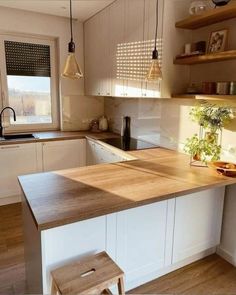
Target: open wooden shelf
215 97
206 58
207 18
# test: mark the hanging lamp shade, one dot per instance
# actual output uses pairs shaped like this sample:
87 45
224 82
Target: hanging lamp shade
71 69
154 73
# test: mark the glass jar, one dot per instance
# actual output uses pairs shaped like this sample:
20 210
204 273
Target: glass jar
198 6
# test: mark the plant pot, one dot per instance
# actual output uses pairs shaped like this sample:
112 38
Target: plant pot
197 157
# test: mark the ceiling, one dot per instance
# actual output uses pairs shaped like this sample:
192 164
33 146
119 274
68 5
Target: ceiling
82 9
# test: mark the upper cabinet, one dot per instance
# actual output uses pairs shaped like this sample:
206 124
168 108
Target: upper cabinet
118 49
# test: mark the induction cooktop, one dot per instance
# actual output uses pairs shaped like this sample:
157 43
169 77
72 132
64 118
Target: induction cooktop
129 144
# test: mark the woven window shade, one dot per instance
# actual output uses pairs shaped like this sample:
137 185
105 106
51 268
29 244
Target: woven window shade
27 59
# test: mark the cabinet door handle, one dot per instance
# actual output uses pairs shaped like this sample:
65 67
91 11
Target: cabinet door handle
10 147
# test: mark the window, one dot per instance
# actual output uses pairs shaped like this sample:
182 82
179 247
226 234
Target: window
28 82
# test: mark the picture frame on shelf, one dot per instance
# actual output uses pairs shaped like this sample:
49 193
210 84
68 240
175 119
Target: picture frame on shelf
217 41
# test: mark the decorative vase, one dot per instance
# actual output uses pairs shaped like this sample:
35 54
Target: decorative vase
220 2
212 137
198 6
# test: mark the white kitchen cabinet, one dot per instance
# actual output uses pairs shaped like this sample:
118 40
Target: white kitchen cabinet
198 219
97 154
105 155
141 239
125 28
117 37
91 29
15 160
91 153
134 33
97 55
64 154
66 243
105 62
152 89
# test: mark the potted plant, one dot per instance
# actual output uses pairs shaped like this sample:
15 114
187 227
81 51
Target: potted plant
202 149
211 119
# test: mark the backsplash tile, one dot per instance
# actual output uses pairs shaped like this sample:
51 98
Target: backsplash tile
78 111
145 116
164 122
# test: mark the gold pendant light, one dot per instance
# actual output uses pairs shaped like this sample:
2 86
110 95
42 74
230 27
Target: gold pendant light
154 72
71 69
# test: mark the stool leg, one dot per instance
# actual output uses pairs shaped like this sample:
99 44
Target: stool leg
121 287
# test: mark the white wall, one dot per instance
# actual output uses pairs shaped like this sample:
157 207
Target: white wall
36 24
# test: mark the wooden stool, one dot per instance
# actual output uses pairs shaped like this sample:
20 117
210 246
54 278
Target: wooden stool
92 275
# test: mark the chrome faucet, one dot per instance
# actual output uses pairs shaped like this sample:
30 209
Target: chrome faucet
14 116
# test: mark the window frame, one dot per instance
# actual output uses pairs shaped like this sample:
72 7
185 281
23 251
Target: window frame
4 98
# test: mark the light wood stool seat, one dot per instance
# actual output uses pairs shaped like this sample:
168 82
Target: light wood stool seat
91 275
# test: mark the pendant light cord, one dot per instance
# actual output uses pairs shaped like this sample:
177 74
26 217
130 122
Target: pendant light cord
71 27
156 25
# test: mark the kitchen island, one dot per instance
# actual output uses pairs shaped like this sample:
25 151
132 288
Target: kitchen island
152 215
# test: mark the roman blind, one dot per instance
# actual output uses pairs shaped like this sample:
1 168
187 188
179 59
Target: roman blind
27 59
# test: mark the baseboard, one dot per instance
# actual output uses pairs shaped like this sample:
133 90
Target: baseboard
10 200
226 256
168 269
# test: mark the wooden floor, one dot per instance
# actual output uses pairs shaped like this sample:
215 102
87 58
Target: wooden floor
12 267
211 275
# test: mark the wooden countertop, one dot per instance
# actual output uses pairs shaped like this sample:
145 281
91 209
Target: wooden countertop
59 135
67 196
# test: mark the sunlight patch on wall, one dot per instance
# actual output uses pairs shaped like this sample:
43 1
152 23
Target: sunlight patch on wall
133 59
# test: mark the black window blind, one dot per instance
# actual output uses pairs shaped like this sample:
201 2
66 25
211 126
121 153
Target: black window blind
27 59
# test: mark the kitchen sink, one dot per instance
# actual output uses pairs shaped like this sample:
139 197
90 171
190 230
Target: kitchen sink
18 136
